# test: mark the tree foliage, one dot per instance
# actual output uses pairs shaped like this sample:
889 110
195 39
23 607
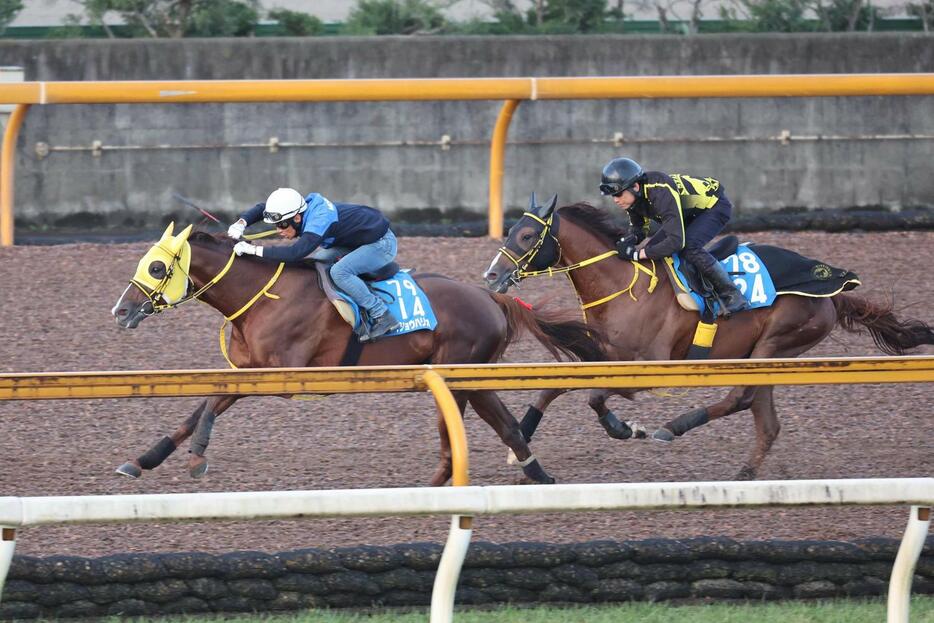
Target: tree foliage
8 11
178 18
769 15
295 24
394 17
923 10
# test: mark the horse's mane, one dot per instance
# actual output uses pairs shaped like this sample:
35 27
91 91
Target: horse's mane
593 220
200 235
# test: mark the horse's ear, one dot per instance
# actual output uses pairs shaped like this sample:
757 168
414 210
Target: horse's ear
545 210
533 207
168 232
179 240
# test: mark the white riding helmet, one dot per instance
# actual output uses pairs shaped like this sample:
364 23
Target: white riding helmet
283 204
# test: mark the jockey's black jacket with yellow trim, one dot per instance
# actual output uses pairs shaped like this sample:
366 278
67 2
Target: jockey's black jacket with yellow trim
674 201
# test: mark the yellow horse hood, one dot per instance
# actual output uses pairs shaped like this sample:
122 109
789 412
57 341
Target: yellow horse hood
164 269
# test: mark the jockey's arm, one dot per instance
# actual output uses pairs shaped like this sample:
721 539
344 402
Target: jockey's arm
639 226
254 214
667 203
295 252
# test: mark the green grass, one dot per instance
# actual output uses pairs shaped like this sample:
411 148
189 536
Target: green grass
832 611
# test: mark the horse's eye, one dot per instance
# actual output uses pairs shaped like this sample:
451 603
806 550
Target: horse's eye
157 270
527 237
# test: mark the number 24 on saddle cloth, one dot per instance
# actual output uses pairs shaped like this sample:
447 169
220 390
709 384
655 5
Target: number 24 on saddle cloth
763 272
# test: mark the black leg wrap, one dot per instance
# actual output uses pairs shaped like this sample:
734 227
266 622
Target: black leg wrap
698 352
158 453
535 472
202 436
691 419
530 422
613 427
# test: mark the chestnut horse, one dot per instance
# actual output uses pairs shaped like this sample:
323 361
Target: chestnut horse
285 320
644 324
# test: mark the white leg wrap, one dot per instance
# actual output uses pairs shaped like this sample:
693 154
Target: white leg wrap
526 462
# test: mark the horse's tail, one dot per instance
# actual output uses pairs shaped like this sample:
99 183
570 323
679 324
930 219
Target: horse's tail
556 330
890 335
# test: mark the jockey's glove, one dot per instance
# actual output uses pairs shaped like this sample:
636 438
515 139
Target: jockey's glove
626 250
235 231
245 248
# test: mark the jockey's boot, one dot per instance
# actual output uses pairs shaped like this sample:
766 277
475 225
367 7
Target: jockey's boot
383 325
732 299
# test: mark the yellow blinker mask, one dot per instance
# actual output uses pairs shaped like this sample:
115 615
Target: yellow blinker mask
163 271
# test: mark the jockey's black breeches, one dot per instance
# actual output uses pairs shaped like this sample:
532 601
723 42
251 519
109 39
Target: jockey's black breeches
706 225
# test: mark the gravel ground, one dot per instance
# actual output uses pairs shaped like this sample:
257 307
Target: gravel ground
55 316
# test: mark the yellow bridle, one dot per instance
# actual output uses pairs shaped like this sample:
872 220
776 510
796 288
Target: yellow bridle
529 256
175 252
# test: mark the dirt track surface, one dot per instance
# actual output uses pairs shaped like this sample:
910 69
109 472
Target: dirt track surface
55 316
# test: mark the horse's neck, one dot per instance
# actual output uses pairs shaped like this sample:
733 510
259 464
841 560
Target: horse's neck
239 284
599 279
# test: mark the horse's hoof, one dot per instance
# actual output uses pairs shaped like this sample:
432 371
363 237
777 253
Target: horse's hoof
638 430
747 473
199 469
525 480
130 470
664 435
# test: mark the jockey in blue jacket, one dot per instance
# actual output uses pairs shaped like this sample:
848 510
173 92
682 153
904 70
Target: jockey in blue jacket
315 221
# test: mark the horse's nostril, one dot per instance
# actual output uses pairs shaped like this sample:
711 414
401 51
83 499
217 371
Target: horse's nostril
121 312
490 275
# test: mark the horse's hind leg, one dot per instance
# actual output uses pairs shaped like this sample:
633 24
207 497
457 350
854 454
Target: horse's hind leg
159 452
739 399
445 465
767 427
492 410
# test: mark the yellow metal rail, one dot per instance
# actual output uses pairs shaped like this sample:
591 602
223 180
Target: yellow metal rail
285 381
508 89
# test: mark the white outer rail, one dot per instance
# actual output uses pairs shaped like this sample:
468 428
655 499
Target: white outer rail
468 501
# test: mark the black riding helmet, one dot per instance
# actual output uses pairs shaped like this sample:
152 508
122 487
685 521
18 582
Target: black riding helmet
619 174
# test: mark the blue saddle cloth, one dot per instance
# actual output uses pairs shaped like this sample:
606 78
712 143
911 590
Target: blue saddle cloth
405 299
748 272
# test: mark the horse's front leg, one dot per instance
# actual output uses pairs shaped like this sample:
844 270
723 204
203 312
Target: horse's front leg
445 466
614 427
159 452
492 410
201 437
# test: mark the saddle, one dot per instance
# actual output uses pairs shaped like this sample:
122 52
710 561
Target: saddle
720 250
323 259
788 273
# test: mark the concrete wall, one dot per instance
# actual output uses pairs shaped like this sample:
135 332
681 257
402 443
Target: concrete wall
346 150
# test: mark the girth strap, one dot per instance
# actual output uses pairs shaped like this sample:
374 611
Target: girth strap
249 304
638 267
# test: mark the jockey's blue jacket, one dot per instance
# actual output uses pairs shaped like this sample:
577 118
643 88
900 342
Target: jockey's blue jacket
325 224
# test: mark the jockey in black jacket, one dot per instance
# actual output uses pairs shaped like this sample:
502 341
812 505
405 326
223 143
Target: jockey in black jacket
691 210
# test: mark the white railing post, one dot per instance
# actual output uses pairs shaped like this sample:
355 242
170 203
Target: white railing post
904 568
449 569
7 545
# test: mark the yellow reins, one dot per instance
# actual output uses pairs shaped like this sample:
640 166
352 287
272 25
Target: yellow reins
529 256
249 304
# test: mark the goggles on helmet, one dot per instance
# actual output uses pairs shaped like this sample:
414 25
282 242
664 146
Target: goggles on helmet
275 217
614 189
